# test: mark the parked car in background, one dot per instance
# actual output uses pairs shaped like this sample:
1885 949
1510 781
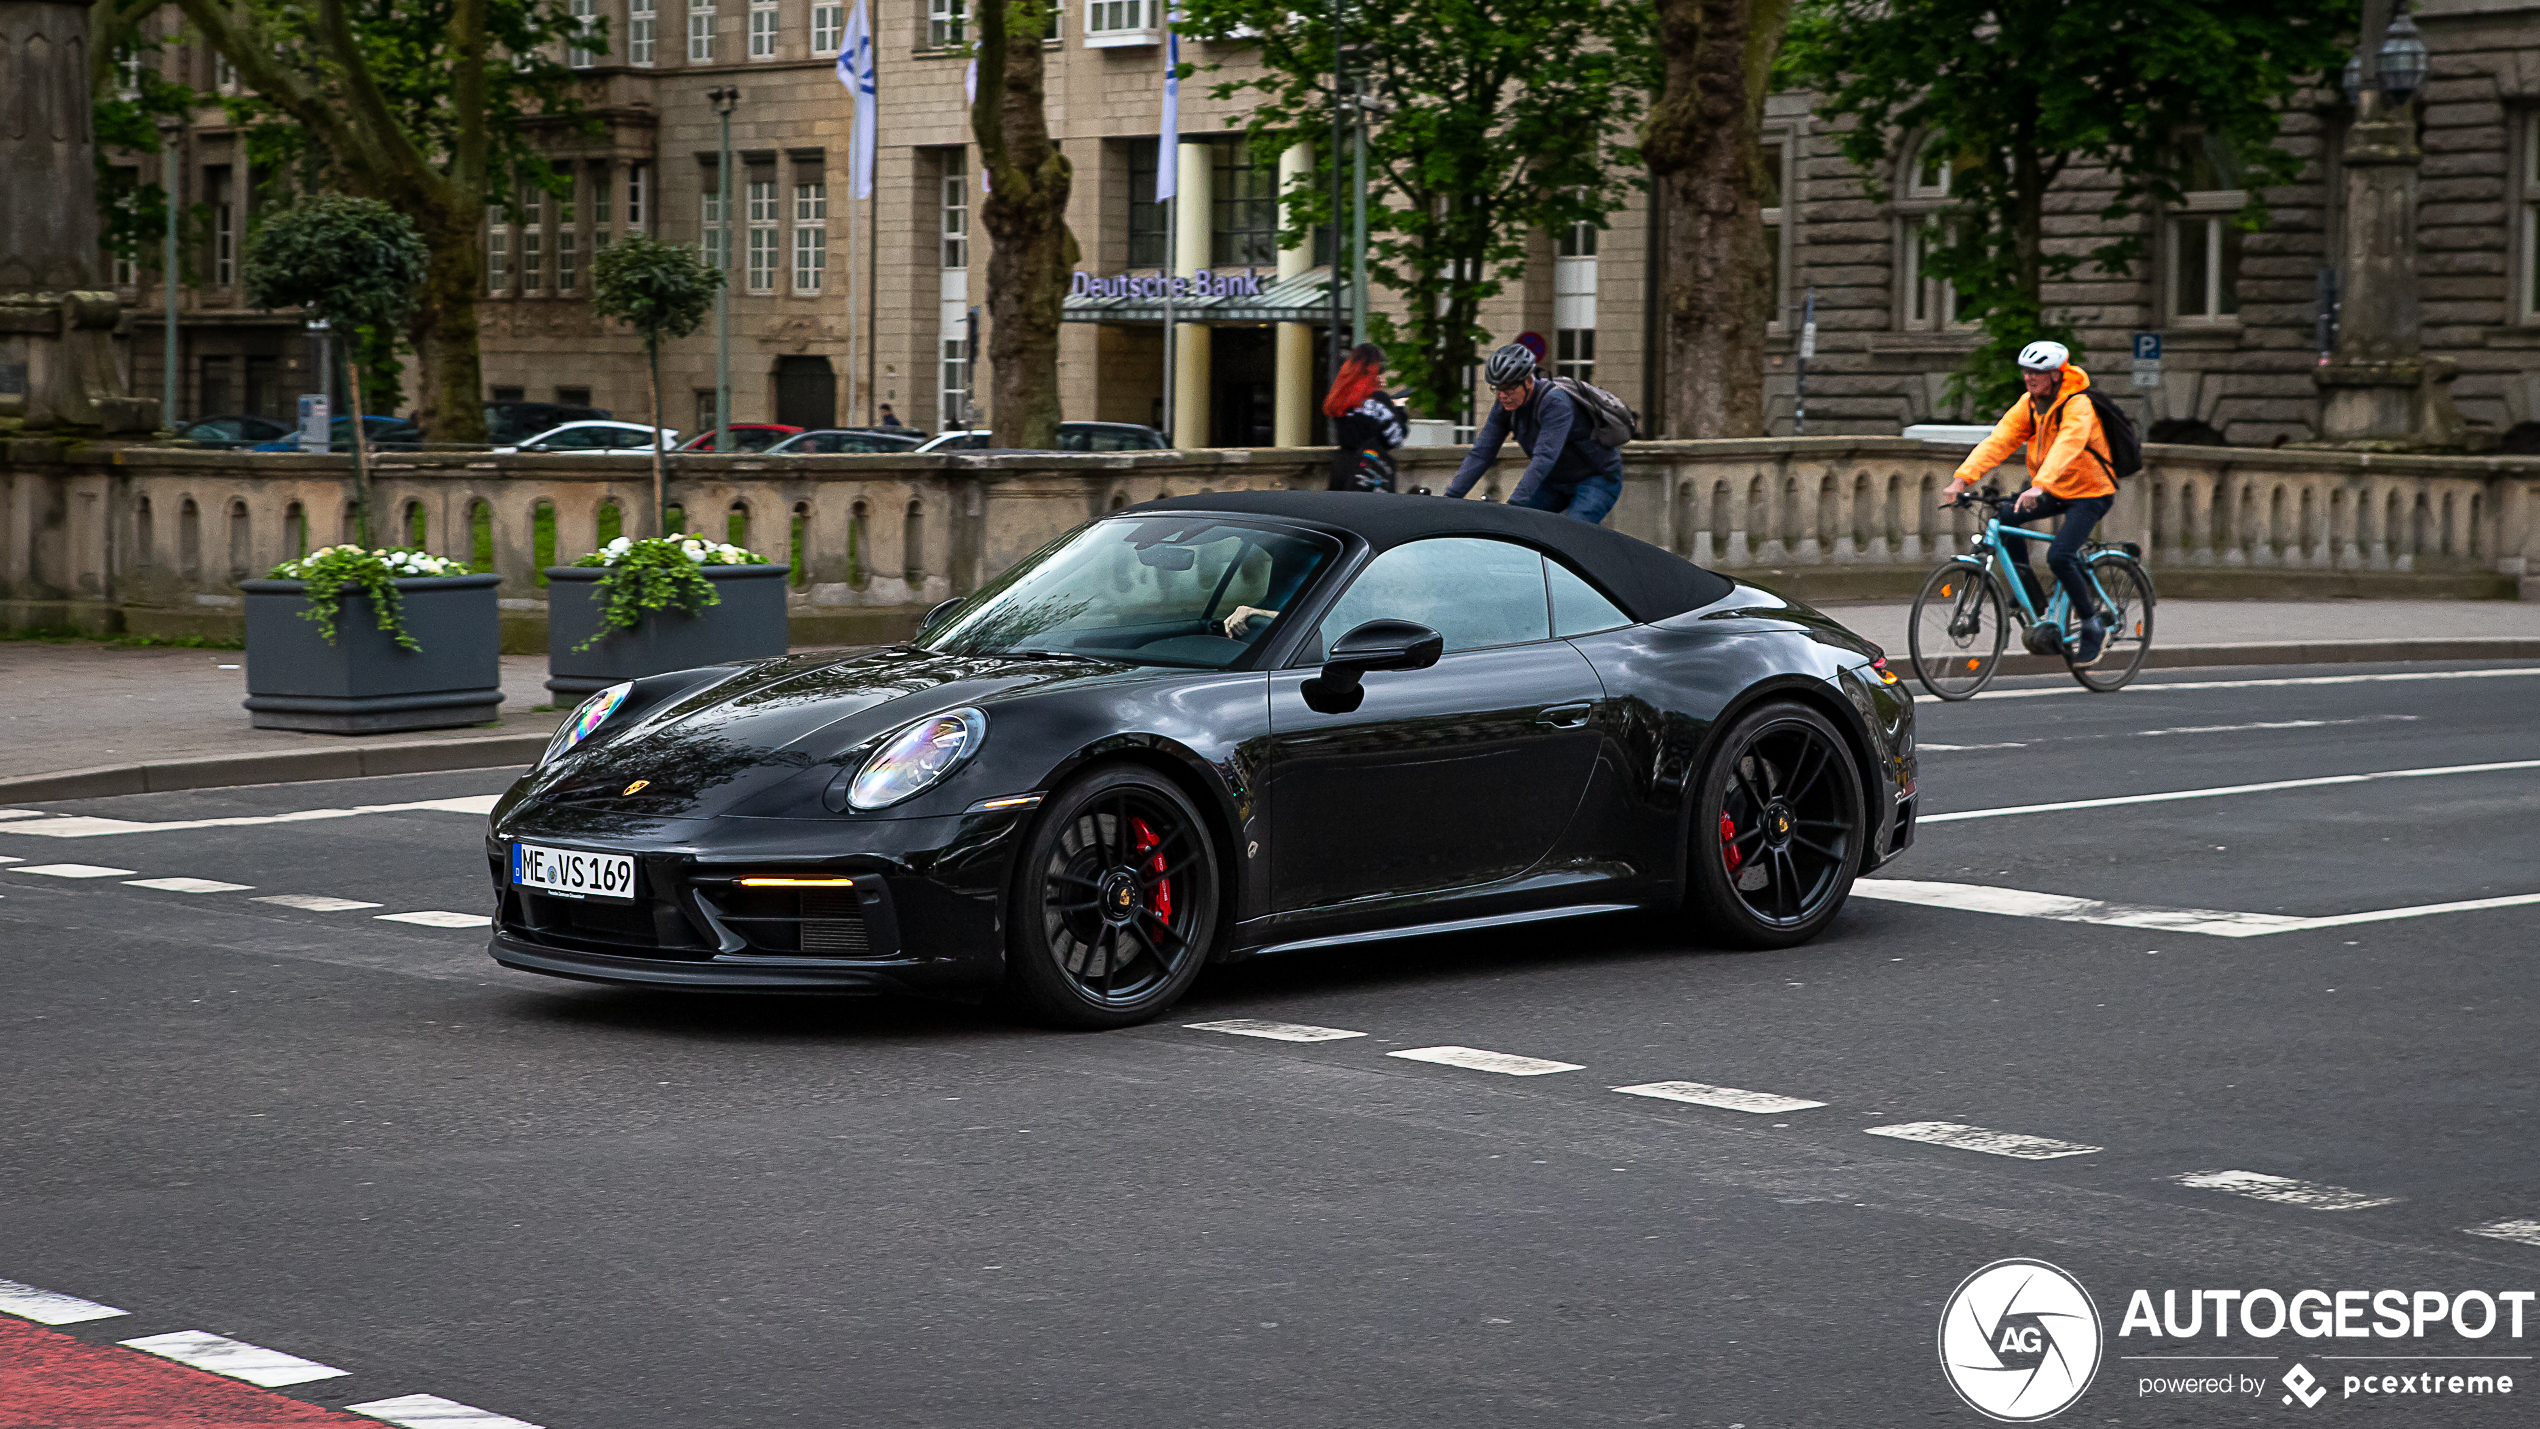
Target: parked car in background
231 432
746 437
378 432
834 441
507 423
588 437
1072 437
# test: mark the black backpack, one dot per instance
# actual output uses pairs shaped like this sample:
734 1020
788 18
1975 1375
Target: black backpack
1616 422
2125 445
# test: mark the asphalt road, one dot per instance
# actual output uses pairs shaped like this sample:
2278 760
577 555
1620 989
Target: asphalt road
360 1142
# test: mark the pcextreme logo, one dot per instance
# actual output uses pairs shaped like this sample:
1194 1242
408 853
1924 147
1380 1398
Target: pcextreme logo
2019 1341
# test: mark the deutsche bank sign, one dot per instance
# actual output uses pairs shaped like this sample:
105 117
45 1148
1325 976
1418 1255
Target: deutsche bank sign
1202 284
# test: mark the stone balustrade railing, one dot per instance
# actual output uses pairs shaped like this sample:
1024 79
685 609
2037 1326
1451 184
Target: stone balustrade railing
157 539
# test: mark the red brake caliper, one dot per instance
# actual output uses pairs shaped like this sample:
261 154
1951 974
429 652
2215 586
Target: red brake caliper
1728 842
1142 839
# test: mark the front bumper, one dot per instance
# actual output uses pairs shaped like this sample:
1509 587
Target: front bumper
918 906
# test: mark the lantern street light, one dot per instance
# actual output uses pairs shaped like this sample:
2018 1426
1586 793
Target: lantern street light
2402 59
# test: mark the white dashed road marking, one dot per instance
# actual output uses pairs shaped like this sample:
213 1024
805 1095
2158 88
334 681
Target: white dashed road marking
2527 1232
1726 1098
47 1308
78 826
2265 684
2055 907
12 860
1991 1143
431 1411
75 870
2219 791
2258 1186
1478 1060
21 814
313 902
270 1368
187 885
1275 1031
435 919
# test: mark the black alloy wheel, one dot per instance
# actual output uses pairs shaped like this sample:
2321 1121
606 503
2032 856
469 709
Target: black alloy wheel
1115 902
1779 829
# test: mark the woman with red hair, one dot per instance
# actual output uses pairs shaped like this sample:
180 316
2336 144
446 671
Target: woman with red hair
1367 423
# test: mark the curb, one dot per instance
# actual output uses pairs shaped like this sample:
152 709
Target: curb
517 750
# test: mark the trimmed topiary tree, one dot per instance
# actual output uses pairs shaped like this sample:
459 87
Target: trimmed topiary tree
355 262
661 290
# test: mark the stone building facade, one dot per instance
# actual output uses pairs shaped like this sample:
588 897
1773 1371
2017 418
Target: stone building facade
839 306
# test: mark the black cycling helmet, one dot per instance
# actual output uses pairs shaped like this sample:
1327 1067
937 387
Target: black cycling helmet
1509 366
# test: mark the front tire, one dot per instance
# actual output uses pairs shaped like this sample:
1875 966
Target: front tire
1780 825
1956 630
1114 909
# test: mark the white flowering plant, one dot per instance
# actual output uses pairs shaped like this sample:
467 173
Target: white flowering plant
330 573
658 573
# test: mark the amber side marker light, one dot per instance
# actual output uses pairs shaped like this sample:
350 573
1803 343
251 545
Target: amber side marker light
1886 674
797 883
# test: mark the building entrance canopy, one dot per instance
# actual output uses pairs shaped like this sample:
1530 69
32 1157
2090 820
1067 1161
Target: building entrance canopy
1209 296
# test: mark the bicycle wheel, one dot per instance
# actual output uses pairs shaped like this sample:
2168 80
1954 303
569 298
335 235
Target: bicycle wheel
1956 631
2126 606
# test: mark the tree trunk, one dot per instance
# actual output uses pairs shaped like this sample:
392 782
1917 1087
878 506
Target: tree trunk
1703 148
661 499
361 451
1025 214
443 330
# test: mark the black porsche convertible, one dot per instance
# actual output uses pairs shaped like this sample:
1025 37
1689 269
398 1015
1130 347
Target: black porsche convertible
1209 728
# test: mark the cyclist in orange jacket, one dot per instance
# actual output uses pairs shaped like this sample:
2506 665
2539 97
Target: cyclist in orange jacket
2070 474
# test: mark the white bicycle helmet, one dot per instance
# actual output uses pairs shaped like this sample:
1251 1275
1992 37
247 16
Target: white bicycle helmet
2044 356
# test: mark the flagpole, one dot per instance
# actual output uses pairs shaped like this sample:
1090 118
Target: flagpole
1168 191
852 371
859 69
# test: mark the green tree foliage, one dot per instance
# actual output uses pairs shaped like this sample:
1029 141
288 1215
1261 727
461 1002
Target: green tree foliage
438 107
2014 95
355 262
1508 116
662 290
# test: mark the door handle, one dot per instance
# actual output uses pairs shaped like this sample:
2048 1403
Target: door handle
1567 716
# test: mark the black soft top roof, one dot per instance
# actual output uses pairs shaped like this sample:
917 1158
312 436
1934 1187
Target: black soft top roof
1648 583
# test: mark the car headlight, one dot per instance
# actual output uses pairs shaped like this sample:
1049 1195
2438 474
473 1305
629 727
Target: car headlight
913 759
585 719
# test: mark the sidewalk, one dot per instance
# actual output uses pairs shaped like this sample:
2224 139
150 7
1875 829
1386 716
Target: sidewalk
85 721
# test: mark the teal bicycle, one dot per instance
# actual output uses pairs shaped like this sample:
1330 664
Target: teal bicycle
1963 616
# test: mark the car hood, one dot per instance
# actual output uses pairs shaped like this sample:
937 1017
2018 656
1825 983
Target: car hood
769 740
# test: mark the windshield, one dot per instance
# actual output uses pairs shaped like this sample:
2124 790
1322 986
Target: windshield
1158 590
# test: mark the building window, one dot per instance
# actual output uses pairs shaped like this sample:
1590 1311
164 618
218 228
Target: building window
224 228
1574 301
224 74
635 178
586 22
568 238
1120 22
811 236
601 210
956 225
1574 353
2531 215
953 411
640 16
700 30
705 410
498 251
1775 255
828 26
128 79
1929 304
762 29
533 233
1246 199
944 26
1147 233
2205 235
713 240
759 206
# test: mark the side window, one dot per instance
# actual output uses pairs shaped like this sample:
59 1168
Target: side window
1577 608
1475 593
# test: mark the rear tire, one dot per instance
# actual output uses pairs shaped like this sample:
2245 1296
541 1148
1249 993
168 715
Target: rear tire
1956 630
1779 828
2128 614
1115 900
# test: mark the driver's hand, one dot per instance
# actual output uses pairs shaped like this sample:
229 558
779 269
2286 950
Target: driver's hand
2027 501
1243 616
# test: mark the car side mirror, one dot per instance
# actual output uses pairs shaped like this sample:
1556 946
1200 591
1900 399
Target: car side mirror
1376 645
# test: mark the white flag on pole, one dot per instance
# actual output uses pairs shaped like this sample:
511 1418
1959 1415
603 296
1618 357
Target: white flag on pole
855 71
1168 165
970 92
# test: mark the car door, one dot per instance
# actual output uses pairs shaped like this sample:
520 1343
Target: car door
1448 778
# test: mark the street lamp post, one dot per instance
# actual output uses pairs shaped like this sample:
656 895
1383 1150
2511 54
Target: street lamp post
725 99
170 130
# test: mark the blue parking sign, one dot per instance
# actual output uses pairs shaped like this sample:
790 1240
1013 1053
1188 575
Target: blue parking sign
2147 347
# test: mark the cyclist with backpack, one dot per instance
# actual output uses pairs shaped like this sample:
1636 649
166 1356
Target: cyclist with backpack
2078 442
1570 468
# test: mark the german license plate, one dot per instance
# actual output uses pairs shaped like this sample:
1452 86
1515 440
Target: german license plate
564 873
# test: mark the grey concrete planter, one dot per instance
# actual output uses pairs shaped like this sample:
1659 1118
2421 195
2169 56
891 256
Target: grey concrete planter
749 624
365 683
